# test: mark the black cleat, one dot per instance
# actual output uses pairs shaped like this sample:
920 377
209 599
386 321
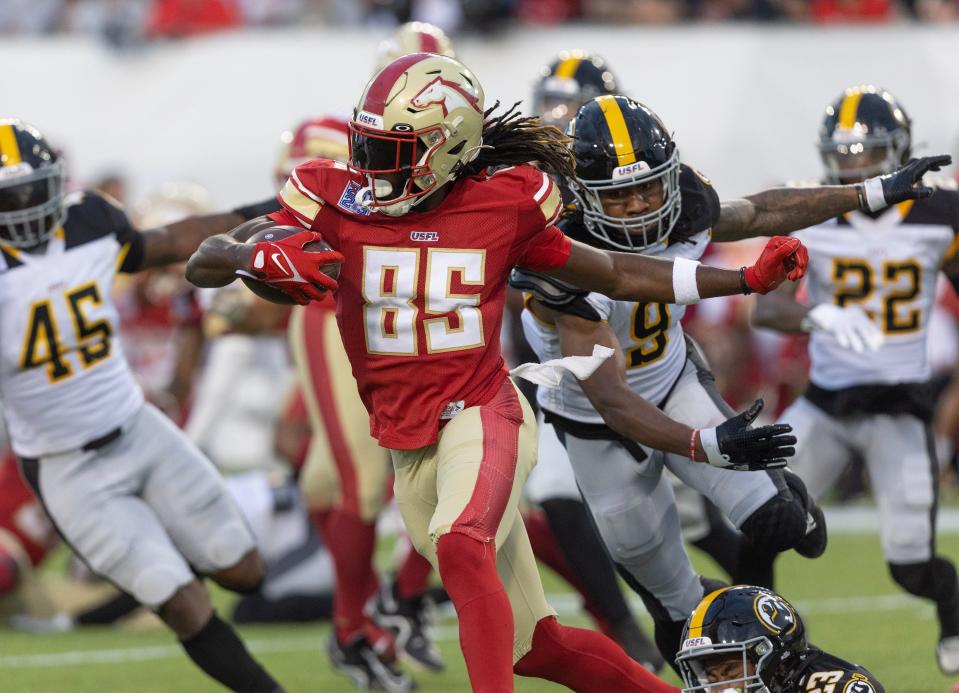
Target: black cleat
367 669
409 620
640 648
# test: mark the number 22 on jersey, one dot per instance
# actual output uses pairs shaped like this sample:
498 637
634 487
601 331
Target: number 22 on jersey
42 344
391 281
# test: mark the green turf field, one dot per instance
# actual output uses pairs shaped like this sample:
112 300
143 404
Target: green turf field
849 604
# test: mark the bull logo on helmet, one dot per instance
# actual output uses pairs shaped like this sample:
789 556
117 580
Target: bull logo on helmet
448 95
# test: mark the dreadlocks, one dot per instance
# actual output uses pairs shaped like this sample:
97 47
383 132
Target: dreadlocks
512 138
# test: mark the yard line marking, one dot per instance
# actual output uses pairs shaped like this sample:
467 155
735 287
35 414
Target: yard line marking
567 604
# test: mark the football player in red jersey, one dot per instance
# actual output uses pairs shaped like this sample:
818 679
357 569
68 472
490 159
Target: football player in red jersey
436 207
347 477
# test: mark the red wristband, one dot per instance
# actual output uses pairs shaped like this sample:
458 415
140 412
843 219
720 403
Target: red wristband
692 444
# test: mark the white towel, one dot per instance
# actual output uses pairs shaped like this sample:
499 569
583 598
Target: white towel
550 373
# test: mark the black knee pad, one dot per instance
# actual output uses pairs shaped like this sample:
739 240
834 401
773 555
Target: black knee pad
778 525
934 579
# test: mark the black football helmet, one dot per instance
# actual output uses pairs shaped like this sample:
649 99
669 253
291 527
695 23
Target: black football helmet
618 143
753 624
864 133
31 186
571 80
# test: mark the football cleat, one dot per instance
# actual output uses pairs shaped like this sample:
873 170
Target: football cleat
409 620
947 653
367 669
640 648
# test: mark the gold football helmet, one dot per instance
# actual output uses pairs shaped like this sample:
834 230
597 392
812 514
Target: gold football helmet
414 37
418 123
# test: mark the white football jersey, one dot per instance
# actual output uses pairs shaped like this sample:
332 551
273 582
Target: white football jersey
63 380
887 266
650 334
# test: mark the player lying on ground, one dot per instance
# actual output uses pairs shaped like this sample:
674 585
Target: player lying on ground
434 211
747 639
124 486
633 194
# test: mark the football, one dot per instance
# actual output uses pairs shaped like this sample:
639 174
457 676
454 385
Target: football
269 293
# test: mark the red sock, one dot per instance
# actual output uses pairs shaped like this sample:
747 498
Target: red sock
321 519
9 573
351 542
547 551
584 660
468 570
413 576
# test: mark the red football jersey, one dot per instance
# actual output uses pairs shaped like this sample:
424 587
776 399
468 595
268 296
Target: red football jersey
420 298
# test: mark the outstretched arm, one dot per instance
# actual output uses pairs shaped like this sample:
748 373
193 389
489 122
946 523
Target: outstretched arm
176 242
633 417
779 310
217 259
849 325
781 210
634 277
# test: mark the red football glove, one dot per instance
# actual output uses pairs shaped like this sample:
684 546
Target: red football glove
782 258
285 265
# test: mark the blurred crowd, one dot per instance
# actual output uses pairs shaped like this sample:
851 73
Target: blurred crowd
130 22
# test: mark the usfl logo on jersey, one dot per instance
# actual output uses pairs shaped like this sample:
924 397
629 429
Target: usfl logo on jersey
348 201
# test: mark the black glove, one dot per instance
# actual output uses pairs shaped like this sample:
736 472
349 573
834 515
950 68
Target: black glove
734 445
902 184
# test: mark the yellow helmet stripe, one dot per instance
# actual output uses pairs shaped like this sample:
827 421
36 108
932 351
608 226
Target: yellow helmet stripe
617 129
699 615
567 68
849 108
9 149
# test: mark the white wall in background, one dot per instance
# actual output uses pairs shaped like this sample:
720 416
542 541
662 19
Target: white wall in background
744 101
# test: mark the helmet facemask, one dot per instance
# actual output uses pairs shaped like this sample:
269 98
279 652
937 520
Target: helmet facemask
396 166
31 203
697 662
849 155
635 233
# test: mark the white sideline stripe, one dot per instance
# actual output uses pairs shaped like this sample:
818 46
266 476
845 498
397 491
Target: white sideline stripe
566 604
865 520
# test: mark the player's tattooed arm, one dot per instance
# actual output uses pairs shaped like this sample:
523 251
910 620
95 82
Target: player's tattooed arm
216 260
622 409
782 210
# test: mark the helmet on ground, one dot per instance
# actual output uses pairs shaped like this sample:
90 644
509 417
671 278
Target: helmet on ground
418 123
619 143
865 132
745 639
31 186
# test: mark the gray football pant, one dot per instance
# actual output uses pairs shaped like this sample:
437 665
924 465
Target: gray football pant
143 509
633 503
901 464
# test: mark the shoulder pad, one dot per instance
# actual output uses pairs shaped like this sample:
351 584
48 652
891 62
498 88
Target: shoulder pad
92 215
549 290
700 205
554 293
